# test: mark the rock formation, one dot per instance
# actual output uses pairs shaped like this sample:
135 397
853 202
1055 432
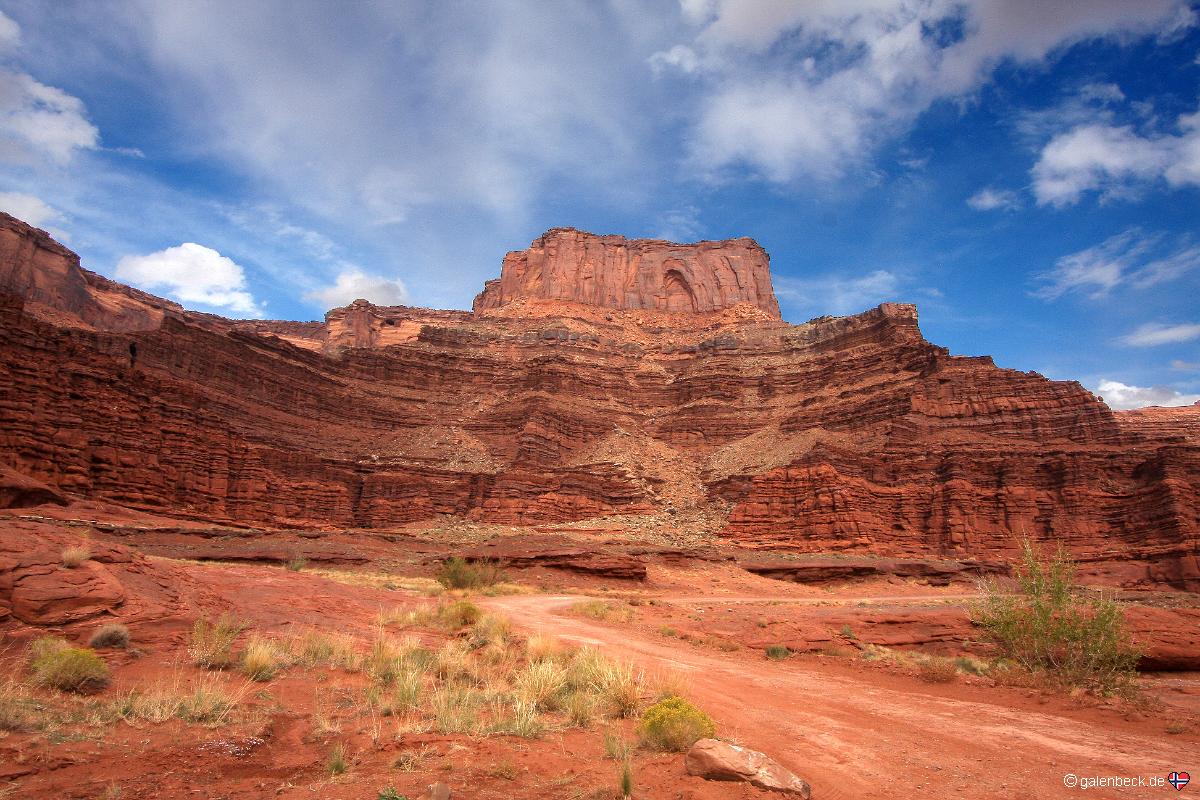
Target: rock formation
619 273
597 377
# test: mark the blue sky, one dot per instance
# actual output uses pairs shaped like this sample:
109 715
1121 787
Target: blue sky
1027 173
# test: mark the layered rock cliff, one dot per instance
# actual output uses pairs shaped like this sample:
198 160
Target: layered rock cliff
619 273
849 434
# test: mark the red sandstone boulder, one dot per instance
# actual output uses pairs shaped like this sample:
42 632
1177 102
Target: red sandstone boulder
717 761
21 491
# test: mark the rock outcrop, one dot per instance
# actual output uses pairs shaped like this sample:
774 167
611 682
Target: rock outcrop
619 273
715 760
851 435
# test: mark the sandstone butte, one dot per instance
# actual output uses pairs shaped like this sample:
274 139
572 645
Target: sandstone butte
597 377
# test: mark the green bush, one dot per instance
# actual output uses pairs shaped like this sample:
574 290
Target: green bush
456 573
674 725
778 652
1049 627
390 793
56 664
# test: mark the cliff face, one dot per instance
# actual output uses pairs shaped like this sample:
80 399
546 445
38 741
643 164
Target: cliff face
848 434
619 273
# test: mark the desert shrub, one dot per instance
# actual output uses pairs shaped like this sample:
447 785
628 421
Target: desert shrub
778 652
674 725
296 562
460 614
390 793
72 557
937 670
1048 626
211 644
56 664
112 634
457 573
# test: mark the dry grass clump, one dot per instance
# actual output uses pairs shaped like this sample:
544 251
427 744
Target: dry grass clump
18 708
207 701
602 610
314 648
72 557
459 614
540 684
674 725
937 670
111 634
55 664
545 648
211 644
778 652
455 709
615 684
263 658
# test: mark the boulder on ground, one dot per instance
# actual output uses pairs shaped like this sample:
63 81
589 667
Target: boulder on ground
718 761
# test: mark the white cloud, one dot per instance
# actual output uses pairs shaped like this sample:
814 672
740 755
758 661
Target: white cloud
10 33
1120 396
680 225
1125 259
353 284
837 294
1154 333
798 89
989 199
1101 92
192 274
28 208
37 120
1115 160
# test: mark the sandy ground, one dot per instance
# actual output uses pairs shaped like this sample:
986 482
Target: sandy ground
863 734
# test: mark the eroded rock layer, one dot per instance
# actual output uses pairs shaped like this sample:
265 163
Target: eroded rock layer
848 434
619 273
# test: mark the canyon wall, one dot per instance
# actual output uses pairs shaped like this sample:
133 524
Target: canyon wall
849 434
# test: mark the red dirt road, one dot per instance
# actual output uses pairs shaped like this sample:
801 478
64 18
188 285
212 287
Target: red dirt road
858 734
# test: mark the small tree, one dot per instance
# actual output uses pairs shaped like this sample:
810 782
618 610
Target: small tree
1050 627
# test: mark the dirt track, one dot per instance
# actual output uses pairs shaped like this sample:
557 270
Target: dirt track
865 735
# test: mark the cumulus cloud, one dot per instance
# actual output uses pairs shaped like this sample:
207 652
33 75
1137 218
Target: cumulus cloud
28 208
37 120
353 284
1153 333
1133 258
194 275
838 294
1121 396
989 199
1115 161
810 88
